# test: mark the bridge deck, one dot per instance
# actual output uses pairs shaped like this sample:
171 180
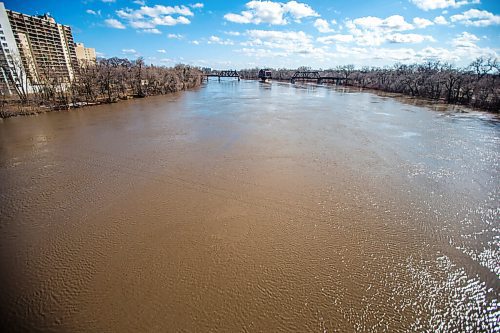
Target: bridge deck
219 74
316 76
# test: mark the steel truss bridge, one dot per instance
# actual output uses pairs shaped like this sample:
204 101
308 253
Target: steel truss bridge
220 74
316 76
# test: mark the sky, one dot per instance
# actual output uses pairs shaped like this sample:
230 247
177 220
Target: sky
224 34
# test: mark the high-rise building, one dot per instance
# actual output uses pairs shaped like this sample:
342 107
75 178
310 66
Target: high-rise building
43 48
85 55
11 68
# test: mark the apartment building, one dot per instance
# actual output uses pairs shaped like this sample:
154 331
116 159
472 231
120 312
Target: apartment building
43 48
85 55
12 75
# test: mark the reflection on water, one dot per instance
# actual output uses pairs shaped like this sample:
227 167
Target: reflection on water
251 207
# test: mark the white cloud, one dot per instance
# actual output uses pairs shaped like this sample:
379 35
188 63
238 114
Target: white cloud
220 41
93 12
108 1
183 20
371 55
195 42
233 33
279 39
129 51
394 55
476 18
465 40
299 10
161 51
156 11
440 20
391 23
296 48
175 36
440 4
270 12
421 22
408 38
113 23
150 17
374 31
463 49
141 25
169 20
140 2
243 18
336 38
282 44
466 49
322 25
196 5
151 31
364 56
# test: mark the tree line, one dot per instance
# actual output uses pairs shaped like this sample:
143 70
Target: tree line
103 81
477 85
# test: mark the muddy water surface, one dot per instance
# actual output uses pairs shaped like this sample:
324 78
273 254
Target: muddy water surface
248 207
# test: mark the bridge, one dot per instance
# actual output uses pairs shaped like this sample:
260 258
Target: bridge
316 76
219 74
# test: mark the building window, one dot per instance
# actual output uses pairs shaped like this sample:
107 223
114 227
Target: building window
2 38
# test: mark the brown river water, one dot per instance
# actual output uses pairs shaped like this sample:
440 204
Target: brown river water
250 207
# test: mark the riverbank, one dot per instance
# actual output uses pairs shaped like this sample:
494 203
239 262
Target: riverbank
108 81
16 109
476 86
435 105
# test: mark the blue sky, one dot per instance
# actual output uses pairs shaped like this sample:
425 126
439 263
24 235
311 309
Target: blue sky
316 33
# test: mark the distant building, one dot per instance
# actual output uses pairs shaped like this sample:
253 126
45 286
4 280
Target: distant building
35 49
85 55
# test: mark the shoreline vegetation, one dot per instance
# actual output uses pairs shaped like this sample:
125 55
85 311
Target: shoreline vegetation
106 81
476 86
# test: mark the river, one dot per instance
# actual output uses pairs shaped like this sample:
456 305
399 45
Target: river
251 207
